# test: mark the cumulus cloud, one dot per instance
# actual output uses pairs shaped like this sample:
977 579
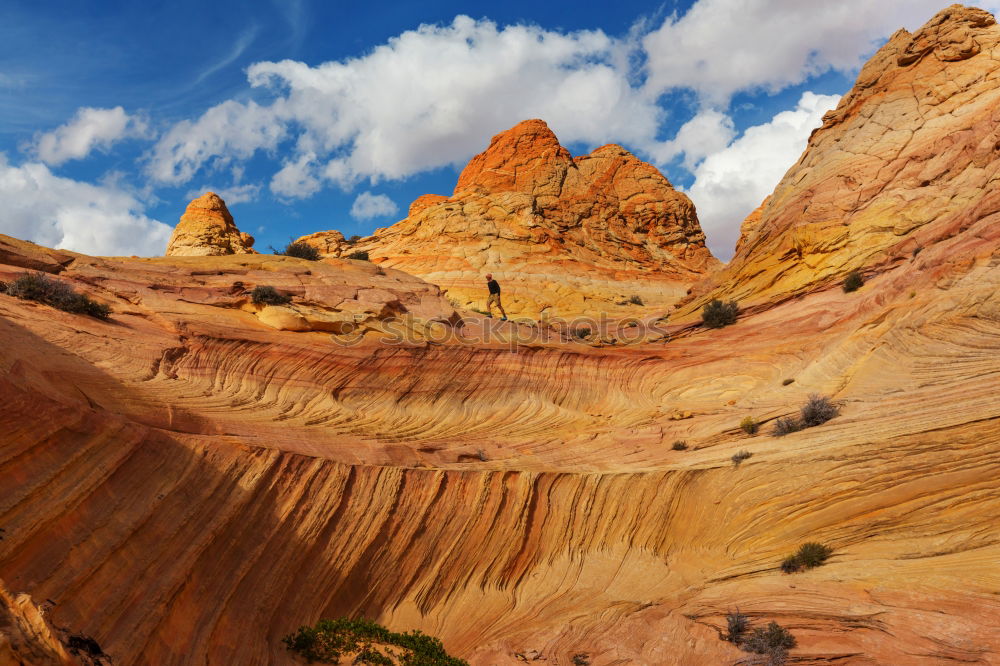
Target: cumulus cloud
732 182
65 213
368 206
428 98
89 129
720 47
708 132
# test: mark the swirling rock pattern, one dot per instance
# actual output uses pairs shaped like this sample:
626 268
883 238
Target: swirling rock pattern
187 484
907 159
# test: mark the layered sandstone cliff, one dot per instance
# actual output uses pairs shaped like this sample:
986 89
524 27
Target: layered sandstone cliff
564 236
207 229
909 158
188 483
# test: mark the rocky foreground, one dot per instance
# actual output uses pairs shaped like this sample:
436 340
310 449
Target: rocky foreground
193 479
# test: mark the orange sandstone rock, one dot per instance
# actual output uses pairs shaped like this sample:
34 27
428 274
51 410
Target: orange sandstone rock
909 157
564 236
207 229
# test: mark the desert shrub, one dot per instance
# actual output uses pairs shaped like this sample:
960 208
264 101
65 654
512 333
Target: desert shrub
808 556
360 255
329 640
718 314
581 333
300 250
266 295
791 564
749 425
354 239
853 281
772 641
813 554
787 382
786 425
736 626
43 289
817 411
581 659
739 457
635 299
3 287
679 445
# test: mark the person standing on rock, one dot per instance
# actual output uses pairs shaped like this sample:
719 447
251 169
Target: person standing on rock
494 297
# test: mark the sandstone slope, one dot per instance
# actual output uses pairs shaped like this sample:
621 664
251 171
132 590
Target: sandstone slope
186 483
909 158
565 236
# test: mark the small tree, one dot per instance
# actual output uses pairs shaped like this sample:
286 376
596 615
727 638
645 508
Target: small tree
717 314
360 255
853 281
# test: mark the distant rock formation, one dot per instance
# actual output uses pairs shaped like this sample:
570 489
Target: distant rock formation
207 229
563 235
909 157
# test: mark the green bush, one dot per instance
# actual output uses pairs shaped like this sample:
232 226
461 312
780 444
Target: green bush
266 295
749 425
354 239
635 299
679 445
300 250
808 556
43 289
853 281
329 640
718 314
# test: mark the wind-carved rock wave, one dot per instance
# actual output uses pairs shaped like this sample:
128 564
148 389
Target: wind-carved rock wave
187 483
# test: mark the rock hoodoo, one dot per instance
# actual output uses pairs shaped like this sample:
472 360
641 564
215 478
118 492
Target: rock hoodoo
207 229
563 235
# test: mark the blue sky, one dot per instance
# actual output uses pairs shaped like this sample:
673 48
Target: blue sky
309 115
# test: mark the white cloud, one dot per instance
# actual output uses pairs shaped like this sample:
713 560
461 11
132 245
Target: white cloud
428 98
720 47
368 206
89 129
708 132
732 182
64 213
234 194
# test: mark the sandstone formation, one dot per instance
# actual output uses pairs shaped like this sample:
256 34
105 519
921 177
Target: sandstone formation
193 479
909 158
207 229
564 236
